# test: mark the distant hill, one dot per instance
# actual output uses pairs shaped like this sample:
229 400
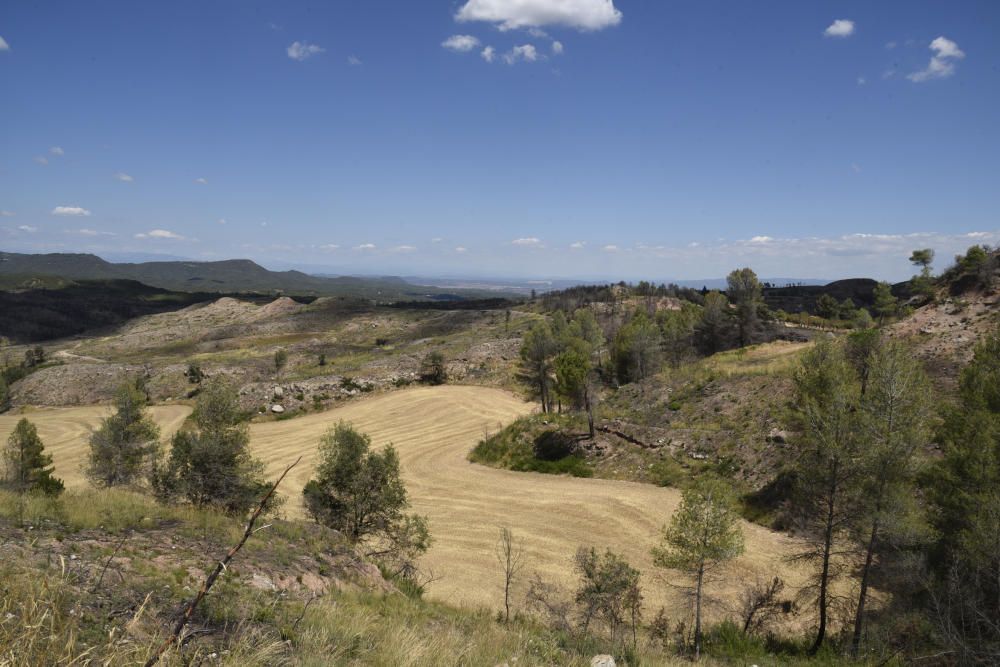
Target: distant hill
227 276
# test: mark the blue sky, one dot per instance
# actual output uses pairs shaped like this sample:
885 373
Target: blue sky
570 138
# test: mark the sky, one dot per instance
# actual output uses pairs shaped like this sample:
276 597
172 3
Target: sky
593 139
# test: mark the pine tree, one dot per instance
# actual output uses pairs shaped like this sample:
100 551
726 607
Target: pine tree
125 446
703 533
211 464
828 470
28 468
895 414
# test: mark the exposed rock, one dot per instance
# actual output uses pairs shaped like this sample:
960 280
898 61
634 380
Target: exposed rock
602 661
262 582
278 392
277 408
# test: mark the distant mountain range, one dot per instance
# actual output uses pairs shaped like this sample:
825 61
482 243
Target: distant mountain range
227 276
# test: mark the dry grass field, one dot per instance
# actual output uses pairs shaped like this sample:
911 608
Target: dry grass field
65 432
434 429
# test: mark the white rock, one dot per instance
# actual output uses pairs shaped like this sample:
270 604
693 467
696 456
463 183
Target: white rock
277 408
602 661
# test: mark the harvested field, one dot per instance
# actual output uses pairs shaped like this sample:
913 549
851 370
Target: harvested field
434 429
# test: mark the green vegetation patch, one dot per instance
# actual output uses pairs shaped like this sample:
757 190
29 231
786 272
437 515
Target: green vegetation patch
537 443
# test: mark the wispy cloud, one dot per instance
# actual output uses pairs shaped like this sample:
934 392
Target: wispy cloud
577 245
160 234
329 246
557 47
27 228
403 249
529 241
461 249
488 54
942 63
523 52
840 28
89 232
70 210
41 159
365 246
460 43
580 14
57 151
354 61
303 50
123 177
201 181
7 214
4 46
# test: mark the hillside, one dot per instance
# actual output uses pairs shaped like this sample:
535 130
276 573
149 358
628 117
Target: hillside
227 276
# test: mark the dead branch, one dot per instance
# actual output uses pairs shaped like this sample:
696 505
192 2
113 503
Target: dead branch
107 564
210 580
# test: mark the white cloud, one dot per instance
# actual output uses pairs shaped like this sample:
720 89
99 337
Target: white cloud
123 177
862 80
528 241
840 28
160 234
942 64
70 210
365 246
760 240
488 54
303 50
889 46
523 52
403 248
28 228
516 14
56 150
437 239
201 181
6 214
576 245
41 159
460 43
557 47
460 249
89 232
4 46
354 61
329 246
610 248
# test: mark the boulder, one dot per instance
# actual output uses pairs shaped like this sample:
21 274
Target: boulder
278 392
602 661
277 408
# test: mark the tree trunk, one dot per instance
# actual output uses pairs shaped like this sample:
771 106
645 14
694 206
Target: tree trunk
859 616
697 612
825 571
590 412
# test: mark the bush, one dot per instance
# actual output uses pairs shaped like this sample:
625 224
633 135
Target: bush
433 369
